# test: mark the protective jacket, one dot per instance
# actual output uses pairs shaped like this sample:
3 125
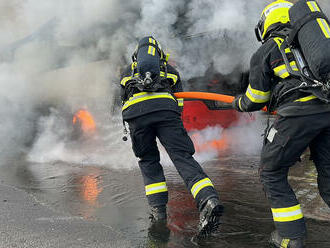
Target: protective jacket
136 103
270 82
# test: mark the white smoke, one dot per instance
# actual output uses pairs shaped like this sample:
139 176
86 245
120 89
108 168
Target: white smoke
67 54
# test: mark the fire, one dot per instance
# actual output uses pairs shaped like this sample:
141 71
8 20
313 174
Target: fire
86 121
216 144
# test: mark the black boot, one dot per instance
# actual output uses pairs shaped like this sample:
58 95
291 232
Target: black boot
158 232
279 242
158 214
209 219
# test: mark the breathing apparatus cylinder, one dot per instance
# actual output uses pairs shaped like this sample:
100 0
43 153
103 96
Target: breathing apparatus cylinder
313 34
148 59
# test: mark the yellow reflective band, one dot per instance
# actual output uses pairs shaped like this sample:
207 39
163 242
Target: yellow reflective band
282 72
143 96
180 102
278 41
155 188
171 76
152 41
201 184
151 50
287 214
257 96
287 50
134 65
124 80
285 243
306 98
313 6
239 103
324 26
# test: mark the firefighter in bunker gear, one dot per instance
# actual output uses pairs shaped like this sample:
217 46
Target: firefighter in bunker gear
155 114
302 121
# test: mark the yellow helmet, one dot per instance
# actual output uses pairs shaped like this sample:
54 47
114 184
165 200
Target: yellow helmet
276 13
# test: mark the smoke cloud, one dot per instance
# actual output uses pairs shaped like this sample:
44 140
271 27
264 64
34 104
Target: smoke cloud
67 54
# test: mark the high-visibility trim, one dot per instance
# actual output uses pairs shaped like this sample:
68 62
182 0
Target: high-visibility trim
279 42
156 188
282 72
152 41
162 74
285 243
170 76
313 6
133 66
322 23
324 26
201 184
257 96
239 103
287 214
124 80
151 50
287 50
180 102
143 96
306 98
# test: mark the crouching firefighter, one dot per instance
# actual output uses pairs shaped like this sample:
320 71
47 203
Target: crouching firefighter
151 110
290 73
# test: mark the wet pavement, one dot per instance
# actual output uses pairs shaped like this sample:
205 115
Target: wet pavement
67 204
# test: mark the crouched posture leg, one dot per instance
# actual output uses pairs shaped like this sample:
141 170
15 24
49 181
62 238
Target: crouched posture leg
284 143
320 154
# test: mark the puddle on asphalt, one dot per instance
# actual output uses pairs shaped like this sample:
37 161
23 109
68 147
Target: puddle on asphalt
116 198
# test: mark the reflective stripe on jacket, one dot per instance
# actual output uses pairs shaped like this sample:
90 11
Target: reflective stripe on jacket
268 76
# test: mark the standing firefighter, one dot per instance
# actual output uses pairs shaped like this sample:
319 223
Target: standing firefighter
290 72
151 111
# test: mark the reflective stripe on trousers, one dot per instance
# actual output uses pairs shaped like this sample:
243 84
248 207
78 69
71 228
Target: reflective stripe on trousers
287 214
156 188
201 184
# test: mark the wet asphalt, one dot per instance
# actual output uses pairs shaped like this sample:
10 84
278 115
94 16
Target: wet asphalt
62 204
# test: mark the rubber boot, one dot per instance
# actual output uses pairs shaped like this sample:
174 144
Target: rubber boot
209 220
158 214
279 242
158 232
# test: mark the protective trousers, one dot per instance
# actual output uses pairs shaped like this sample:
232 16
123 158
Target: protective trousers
168 128
284 143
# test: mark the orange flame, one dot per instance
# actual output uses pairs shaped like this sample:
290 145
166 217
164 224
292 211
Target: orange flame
86 121
204 146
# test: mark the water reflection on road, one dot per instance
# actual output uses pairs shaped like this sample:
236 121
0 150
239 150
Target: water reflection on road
116 198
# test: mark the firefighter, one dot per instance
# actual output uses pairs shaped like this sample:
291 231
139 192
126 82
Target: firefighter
152 111
302 121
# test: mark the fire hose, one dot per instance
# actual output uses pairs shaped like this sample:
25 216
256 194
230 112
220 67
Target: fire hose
207 96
